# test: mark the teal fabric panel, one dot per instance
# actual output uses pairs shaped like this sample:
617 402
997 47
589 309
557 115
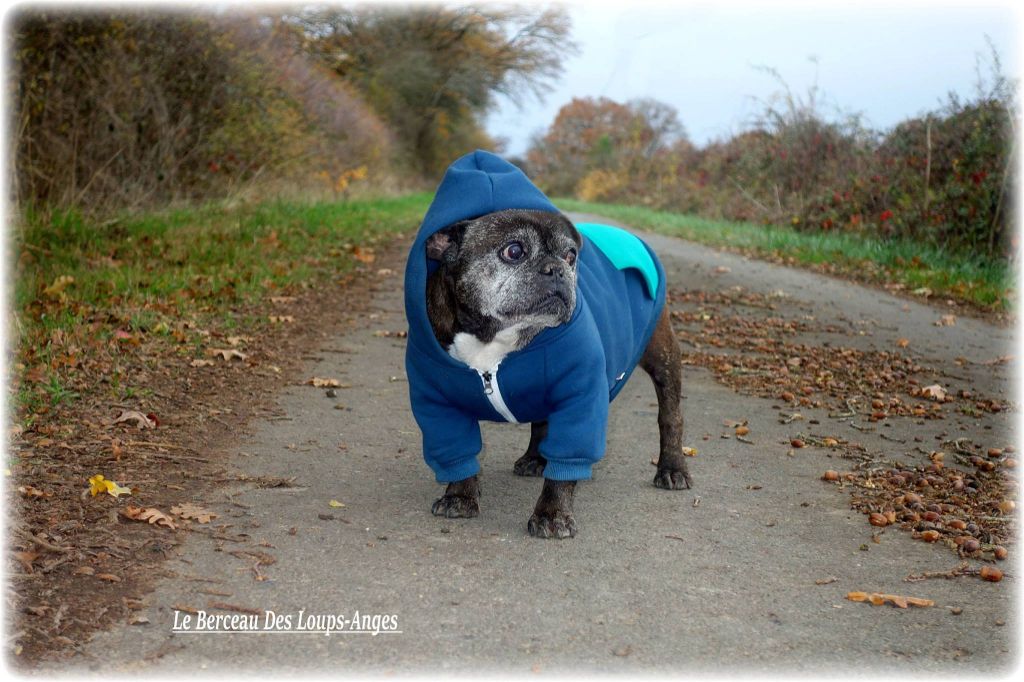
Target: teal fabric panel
624 250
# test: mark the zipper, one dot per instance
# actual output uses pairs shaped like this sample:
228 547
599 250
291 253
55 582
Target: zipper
493 393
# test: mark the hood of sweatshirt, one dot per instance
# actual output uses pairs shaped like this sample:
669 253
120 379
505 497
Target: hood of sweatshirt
476 184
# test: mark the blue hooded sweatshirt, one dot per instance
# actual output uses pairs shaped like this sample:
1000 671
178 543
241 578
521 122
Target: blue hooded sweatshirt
566 375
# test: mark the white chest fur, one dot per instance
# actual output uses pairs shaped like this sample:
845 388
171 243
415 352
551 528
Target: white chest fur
484 357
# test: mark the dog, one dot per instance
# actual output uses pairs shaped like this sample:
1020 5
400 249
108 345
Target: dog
516 314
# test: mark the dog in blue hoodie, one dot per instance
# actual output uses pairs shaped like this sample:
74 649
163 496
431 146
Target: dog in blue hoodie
518 315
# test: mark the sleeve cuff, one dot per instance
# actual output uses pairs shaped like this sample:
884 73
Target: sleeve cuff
456 472
563 471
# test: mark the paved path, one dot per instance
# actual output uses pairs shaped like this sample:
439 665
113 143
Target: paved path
733 589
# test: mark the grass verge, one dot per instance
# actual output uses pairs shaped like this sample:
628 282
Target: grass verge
984 284
84 288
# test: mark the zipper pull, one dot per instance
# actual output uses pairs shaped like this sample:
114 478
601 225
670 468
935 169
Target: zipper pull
488 389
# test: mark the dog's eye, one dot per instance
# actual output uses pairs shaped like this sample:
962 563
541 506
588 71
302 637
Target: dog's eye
513 252
570 257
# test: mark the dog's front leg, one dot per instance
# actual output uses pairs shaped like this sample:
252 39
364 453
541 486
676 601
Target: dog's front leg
552 517
460 500
532 463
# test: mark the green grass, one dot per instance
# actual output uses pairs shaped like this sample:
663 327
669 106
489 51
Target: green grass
987 284
145 274
211 250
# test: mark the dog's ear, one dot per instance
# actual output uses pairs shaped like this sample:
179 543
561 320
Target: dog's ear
572 230
444 244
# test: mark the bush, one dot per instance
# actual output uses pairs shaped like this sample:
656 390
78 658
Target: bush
115 110
942 178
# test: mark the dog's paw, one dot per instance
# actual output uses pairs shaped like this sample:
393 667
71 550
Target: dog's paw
456 507
673 479
559 525
529 465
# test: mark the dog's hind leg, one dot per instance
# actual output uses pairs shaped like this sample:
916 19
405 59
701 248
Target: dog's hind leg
532 463
662 360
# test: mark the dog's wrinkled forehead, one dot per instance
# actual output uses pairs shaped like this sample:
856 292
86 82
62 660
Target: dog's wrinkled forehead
550 231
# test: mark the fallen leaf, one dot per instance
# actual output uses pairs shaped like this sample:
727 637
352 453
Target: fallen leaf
192 511
879 599
946 321
98 484
363 255
213 604
30 491
26 559
902 343
235 340
335 504
226 353
109 577
826 581
321 382
56 290
282 299
151 515
139 419
84 570
1001 360
275 319
689 452
199 362
126 337
935 392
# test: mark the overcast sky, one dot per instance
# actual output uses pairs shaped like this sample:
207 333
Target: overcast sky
888 61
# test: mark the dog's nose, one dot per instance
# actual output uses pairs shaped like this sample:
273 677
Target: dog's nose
551 268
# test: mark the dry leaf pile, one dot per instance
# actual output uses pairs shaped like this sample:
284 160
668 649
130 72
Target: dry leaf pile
754 352
964 497
968 512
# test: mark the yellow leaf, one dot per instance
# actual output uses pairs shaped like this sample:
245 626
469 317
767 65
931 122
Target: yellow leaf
56 289
98 484
689 452
114 489
336 504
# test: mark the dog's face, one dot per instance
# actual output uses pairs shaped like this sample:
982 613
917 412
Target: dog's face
515 266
